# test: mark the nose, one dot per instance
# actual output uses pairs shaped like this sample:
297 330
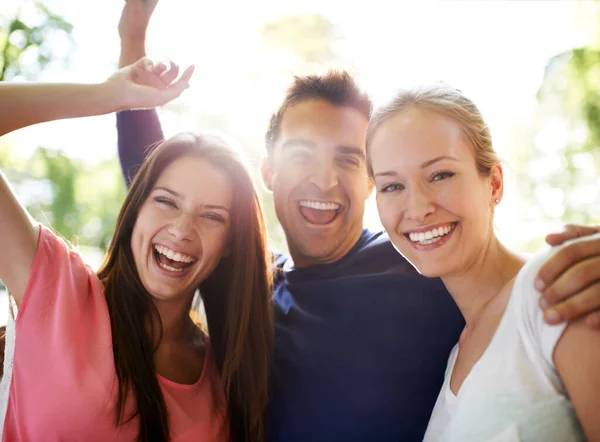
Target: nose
325 177
420 204
181 228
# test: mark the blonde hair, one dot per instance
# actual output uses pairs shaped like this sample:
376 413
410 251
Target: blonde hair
448 101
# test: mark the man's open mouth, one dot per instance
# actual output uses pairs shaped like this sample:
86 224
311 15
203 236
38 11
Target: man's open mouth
320 212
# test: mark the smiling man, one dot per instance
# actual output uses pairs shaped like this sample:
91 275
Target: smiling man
317 169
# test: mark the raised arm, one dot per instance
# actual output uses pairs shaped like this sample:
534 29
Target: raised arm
24 104
27 104
19 237
139 129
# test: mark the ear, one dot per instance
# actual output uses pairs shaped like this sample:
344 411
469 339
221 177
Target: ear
266 171
496 184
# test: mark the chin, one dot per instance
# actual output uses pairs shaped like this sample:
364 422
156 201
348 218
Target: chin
317 249
162 291
429 270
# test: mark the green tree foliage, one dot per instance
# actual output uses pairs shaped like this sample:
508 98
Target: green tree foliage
584 80
558 172
80 201
18 39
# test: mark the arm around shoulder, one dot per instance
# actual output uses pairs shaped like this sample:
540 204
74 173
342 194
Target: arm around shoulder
19 237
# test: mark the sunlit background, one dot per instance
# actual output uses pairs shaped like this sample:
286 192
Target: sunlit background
533 67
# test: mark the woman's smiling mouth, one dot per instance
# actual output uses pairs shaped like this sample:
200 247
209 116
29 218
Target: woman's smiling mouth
170 260
430 236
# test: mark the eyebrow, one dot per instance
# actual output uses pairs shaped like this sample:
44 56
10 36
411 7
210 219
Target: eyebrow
423 166
298 142
350 150
345 150
207 206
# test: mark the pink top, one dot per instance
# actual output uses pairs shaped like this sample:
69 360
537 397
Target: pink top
64 381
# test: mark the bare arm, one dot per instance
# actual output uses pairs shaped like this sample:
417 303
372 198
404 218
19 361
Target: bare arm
577 358
30 103
19 237
133 26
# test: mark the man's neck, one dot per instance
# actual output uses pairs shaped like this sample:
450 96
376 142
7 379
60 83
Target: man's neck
302 260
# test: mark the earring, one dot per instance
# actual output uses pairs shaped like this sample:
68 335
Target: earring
496 200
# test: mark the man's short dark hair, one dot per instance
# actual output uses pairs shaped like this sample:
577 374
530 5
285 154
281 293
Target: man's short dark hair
336 87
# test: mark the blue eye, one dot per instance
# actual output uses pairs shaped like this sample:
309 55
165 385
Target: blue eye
391 187
439 176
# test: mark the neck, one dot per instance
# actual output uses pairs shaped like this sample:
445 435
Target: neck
475 287
302 260
177 326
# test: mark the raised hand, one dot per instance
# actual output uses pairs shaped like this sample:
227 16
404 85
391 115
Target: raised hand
143 85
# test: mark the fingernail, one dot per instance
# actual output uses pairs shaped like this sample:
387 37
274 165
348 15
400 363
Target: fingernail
543 303
539 285
552 316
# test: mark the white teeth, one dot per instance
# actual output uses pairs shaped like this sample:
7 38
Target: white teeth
171 269
430 236
318 205
175 256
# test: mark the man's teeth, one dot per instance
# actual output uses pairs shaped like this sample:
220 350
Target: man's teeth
430 236
318 205
175 256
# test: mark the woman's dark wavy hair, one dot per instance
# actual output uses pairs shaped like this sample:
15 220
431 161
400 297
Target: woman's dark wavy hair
236 297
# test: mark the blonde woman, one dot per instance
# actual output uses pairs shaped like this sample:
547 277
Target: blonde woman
512 377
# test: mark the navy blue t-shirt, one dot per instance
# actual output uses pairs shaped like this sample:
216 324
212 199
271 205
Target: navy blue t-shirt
361 347
361 344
